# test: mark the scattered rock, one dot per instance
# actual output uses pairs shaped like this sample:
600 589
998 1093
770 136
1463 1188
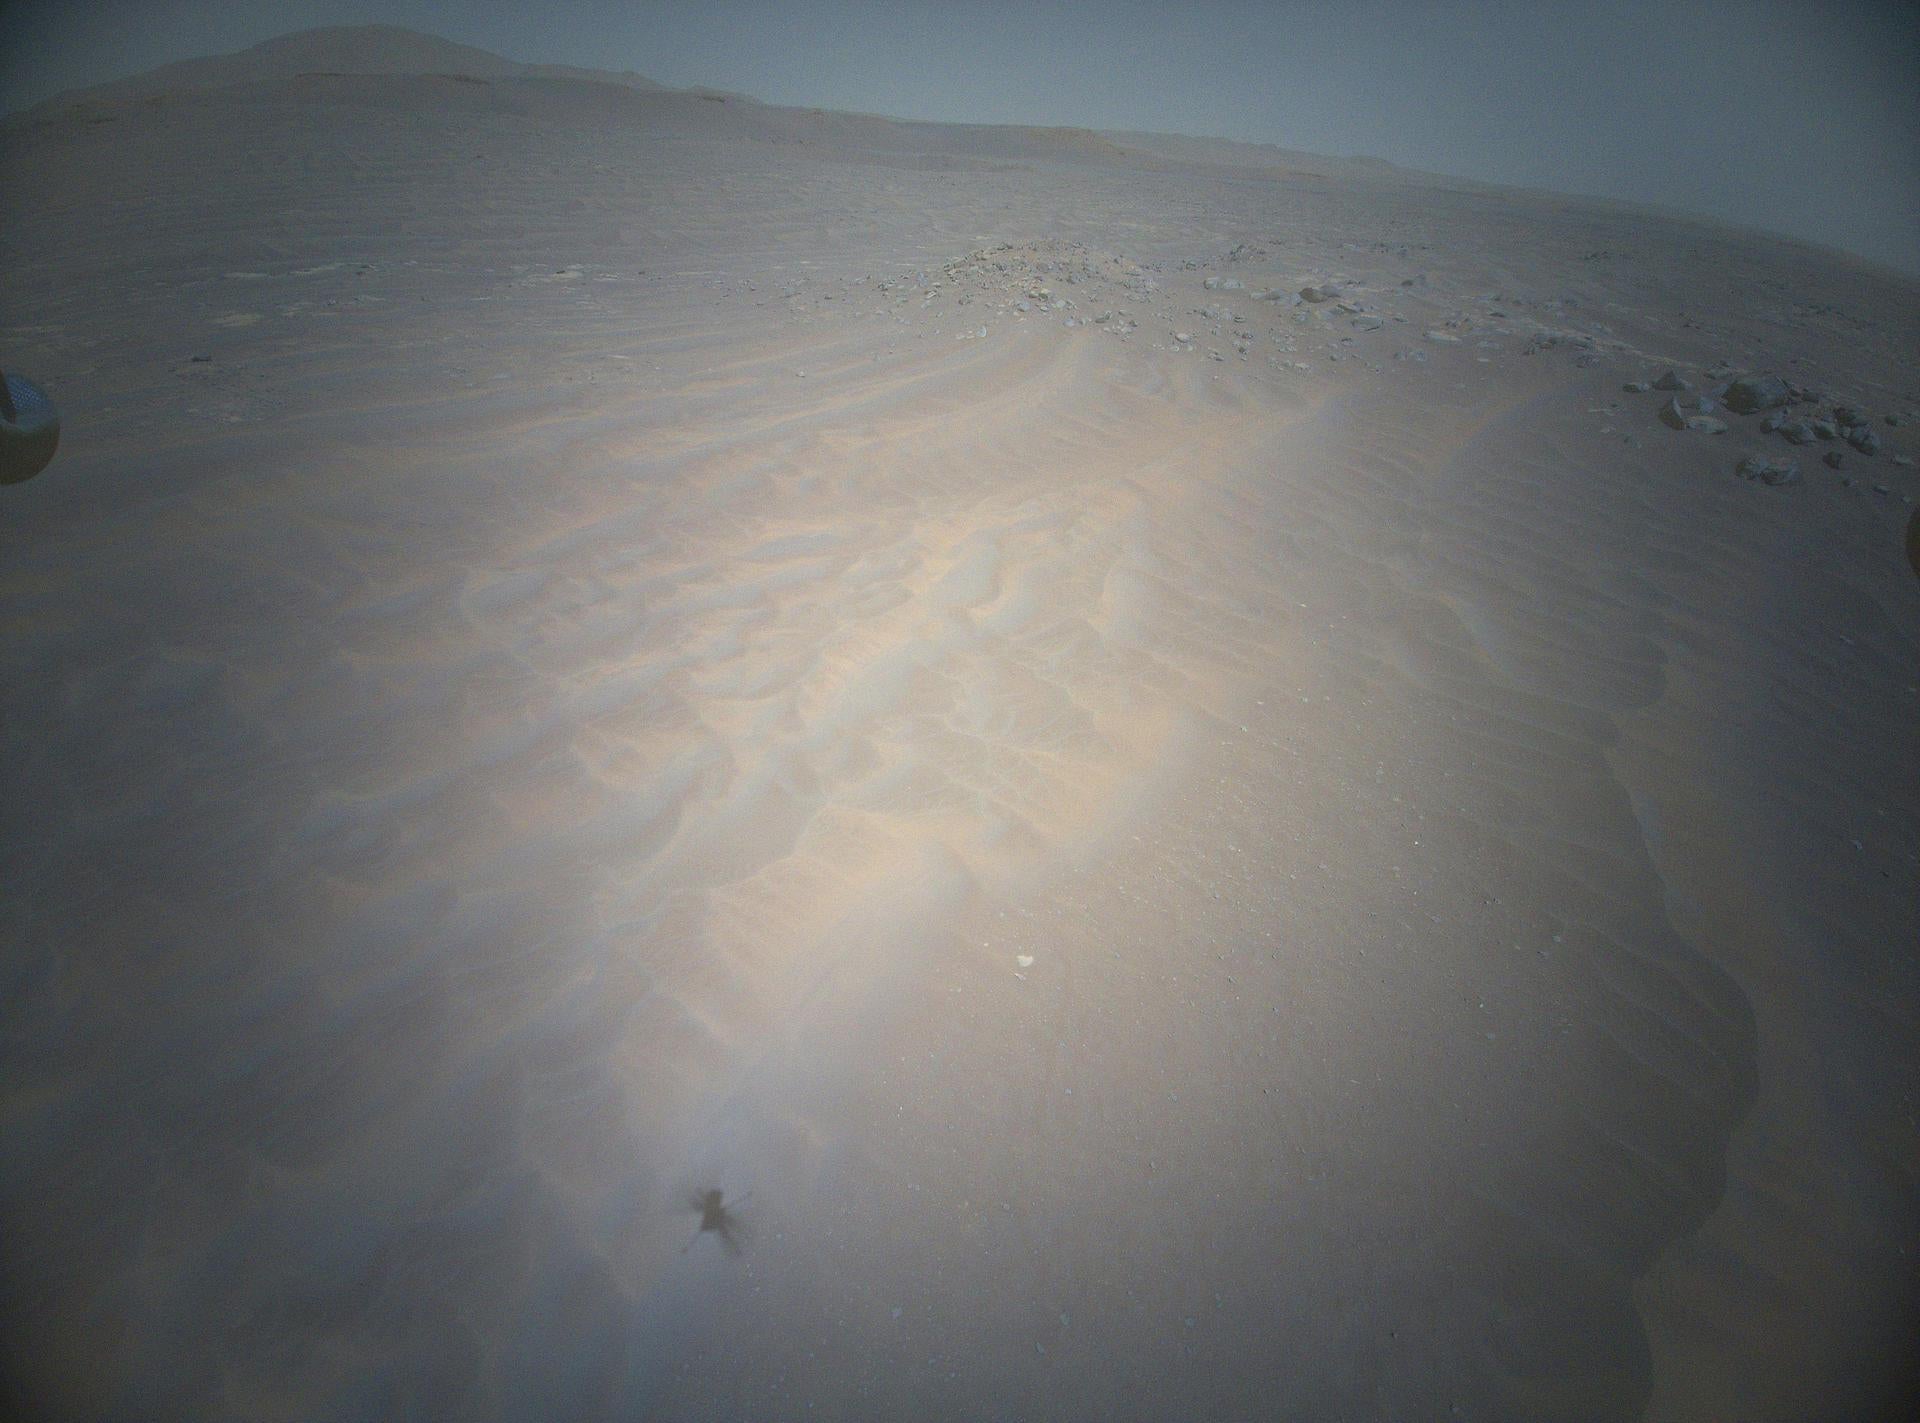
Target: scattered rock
1367 323
1825 429
1636 387
1847 416
1768 471
1183 337
1024 960
1326 291
1706 425
1445 337
199 358
1831 459
1672 416
1862 438
1671 381
1773 422
1751 394
1798 432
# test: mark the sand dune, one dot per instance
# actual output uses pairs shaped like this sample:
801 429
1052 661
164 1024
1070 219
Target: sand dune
1186 854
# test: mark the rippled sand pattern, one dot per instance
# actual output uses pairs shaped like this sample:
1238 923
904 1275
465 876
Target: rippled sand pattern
1155 886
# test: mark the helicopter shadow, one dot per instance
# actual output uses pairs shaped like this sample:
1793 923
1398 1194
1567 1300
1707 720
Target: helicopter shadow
718 1218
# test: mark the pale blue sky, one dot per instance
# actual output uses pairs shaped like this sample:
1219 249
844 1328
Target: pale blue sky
1796 116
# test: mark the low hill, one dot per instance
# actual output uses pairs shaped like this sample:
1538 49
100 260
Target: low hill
339 49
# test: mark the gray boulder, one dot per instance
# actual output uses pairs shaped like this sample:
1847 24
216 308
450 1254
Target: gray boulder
1767 471
1751 394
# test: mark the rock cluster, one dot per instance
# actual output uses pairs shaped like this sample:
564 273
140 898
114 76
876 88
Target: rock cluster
1753 395
1029 276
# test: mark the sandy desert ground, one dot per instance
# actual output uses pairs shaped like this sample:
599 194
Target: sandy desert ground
1173 850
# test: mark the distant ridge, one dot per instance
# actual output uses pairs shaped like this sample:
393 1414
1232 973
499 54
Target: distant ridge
365 61
336 49
394 52
358 61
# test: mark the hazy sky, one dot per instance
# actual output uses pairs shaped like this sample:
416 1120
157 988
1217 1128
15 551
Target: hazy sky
1796 116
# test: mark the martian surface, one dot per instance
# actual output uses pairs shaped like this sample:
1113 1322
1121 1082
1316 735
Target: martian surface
674 759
